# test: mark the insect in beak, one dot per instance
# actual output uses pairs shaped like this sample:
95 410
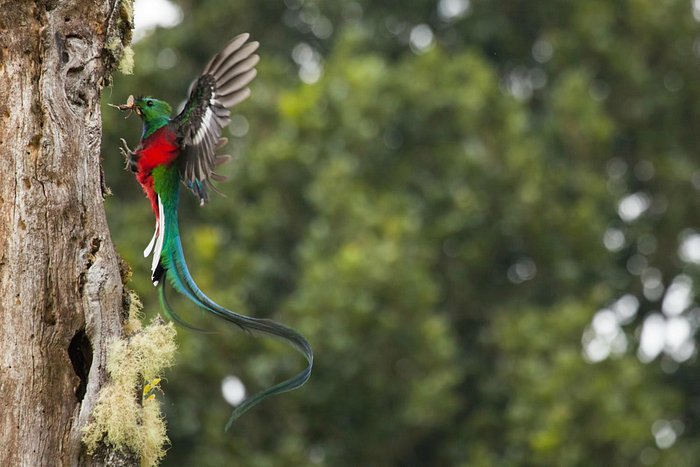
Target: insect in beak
130 106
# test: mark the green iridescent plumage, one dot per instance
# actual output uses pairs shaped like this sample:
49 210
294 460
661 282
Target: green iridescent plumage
183 149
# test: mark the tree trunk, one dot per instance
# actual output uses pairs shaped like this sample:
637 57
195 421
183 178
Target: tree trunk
60 286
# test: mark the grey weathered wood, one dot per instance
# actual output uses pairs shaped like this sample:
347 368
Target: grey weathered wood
60 287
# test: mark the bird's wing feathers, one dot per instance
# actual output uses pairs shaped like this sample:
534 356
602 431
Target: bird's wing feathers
223 84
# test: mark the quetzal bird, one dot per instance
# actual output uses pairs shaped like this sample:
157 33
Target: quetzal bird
183 149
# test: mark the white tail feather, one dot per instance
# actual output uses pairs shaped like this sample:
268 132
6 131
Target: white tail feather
160 234
151 244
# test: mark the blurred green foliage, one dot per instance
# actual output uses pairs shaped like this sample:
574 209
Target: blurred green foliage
438 206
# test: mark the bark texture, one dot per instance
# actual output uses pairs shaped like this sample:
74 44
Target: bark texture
60 287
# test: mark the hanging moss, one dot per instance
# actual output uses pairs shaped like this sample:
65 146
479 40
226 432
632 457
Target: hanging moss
127 415
132 325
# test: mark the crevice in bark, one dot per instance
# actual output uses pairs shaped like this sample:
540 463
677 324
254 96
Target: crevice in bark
80 353
90 256
94 248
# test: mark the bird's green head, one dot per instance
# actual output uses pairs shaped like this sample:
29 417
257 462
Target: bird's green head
155 113
152 110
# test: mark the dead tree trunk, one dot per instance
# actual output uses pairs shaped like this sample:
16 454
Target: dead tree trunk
60 287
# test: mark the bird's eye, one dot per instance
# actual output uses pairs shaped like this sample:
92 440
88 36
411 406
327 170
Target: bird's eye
149 103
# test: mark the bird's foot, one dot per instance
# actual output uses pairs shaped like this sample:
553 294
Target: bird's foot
129 160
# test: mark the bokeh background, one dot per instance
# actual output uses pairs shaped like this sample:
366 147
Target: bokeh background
482 214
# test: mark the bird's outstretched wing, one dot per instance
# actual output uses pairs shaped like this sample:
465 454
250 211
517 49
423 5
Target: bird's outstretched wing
223 84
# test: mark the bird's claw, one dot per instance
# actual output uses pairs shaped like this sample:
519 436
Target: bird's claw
128 155
125 147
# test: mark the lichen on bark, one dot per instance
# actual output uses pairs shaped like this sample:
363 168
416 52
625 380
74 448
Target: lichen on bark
127 416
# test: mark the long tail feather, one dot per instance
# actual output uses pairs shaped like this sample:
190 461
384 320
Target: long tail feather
179 276
172 315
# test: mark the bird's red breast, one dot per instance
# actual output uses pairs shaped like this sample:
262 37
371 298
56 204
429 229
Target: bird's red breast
160 148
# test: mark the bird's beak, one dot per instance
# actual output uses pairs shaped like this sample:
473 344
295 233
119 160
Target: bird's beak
130 105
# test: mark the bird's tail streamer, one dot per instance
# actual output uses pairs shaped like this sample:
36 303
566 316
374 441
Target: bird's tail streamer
179 276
